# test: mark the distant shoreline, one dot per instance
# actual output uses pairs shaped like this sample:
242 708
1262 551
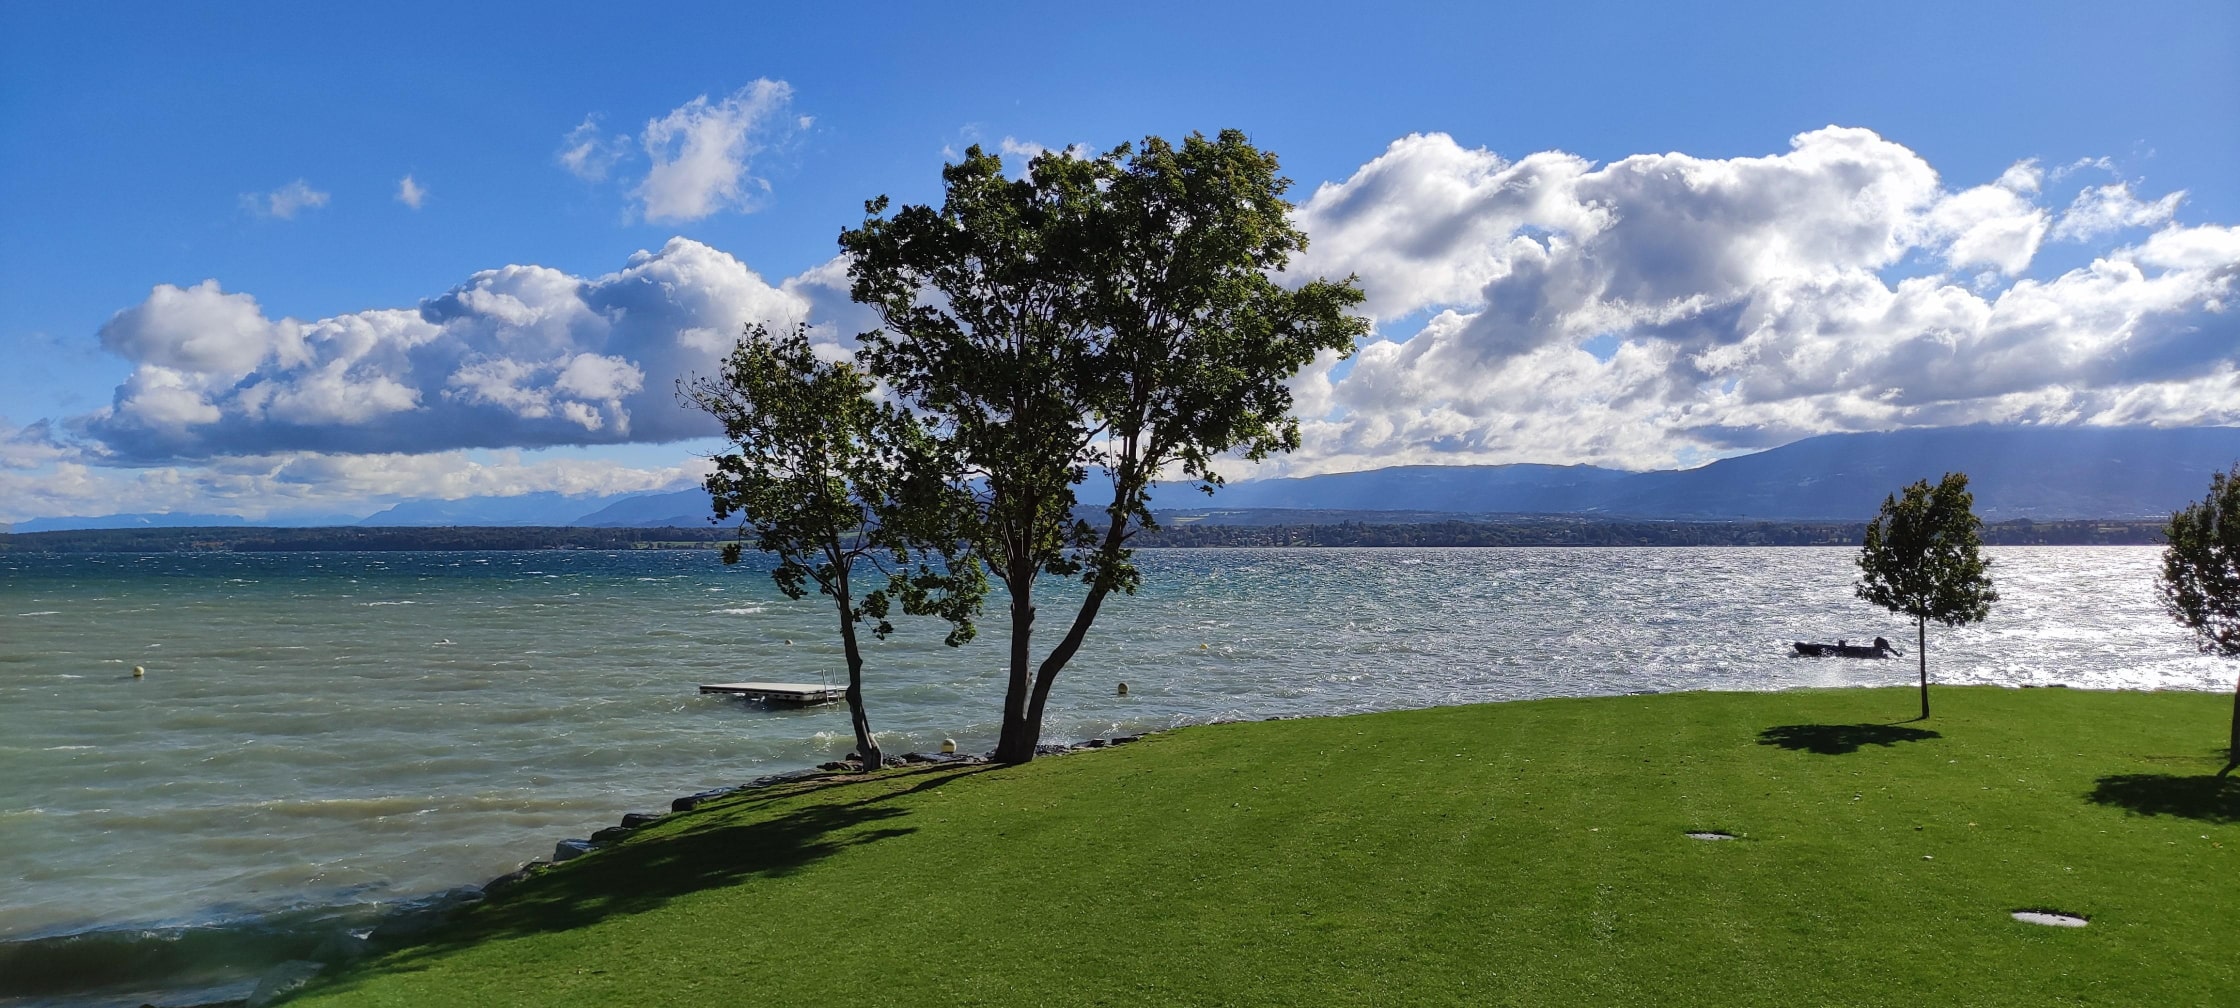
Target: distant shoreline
1175 532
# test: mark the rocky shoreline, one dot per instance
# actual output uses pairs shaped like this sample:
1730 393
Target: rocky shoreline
570 849
413 918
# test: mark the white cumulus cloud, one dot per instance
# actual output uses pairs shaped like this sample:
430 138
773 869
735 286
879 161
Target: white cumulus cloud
2105 210
200 329
32 446
1664 306
702 151
1996 226
1657 308
411 193
286 201
700 156
294 484
520 356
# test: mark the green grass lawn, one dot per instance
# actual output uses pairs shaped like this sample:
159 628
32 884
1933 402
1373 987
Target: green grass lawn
1525 853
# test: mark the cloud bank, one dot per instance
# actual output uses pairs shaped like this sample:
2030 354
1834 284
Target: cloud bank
1667 308
1655 310
522 356
38 479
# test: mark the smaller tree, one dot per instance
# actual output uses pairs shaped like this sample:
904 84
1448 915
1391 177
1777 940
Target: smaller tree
2200 580
820 475
1923 557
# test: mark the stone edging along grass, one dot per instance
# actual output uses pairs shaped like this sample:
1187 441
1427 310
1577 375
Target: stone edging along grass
416 917
836 770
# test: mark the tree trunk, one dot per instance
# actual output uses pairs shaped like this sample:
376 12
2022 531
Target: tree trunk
1047 674
1016 744
866 746
2232 755
1921 652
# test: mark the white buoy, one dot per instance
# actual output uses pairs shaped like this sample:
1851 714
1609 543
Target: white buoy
948 745
138 672
1123 690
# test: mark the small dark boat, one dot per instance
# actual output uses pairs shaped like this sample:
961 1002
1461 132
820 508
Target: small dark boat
1845 649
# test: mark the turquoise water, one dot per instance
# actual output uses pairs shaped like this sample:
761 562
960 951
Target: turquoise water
333 730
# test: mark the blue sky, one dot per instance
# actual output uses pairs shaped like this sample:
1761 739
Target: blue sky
221 295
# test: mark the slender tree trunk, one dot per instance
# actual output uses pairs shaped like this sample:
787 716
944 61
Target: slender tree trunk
866 746
2232 755
1016 744
1921 652
1047 675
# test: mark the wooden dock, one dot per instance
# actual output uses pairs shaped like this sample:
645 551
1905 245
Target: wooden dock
778 692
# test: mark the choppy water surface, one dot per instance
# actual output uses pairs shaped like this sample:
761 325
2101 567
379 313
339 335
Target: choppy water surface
326 728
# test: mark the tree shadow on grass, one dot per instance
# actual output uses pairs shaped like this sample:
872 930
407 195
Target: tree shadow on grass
714 848
2205 797
1835 740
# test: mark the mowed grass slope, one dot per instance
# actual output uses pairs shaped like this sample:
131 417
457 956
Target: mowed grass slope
1524 853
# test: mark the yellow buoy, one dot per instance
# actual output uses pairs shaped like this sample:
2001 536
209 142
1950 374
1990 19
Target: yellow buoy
948 745
138 671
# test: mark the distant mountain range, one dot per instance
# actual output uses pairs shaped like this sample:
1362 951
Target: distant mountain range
128 521
1509 489
2043 473
548 509
676 509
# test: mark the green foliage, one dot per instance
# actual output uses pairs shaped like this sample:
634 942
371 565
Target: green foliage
1117 314
1196 341
1923 555
983 336
2200 581
820 476
1526 853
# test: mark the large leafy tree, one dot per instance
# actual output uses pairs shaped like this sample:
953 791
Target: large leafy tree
2200 580
1115 319
820 477
1923 557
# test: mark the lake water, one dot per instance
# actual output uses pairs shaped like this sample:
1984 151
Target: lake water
317 733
